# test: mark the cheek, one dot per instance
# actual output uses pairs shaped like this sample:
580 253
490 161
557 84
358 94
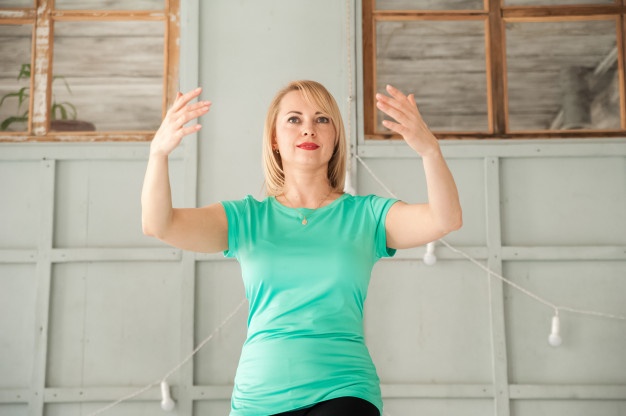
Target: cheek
331 134
282 131
327 129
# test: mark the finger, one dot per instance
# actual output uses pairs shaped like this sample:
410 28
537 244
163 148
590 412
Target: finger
199 105
403 106
184 99
402 99
190 129
178 135
187 116
394 112
395 127
396 93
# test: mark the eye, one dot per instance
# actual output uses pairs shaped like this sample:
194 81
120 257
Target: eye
323 120
293 120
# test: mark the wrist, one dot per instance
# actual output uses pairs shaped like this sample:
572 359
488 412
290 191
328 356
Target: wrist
433 151
158 154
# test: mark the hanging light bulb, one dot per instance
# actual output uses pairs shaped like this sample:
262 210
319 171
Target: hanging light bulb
348 187
167 403
429 256
555 337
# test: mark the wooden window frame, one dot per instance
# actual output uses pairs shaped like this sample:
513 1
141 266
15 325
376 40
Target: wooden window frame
495 16
42 16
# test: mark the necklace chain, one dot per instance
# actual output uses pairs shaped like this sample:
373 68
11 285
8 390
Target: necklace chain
304 219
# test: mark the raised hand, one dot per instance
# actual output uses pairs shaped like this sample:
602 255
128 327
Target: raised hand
409 122
173 129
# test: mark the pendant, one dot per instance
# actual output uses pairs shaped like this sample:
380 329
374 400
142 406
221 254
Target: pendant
304 221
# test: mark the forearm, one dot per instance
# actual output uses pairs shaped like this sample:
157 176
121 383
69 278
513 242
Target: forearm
156 197
410 225
443 196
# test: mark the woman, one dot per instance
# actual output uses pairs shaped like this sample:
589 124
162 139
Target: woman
307 250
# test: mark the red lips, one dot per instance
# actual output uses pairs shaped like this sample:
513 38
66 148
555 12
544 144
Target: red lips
308 146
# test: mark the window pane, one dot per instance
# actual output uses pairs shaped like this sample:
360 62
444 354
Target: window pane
443 64
110 73
553 2
16 3
562 75
429 4
110 4
15 49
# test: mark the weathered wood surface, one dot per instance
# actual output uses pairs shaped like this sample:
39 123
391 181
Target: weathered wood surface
115 104
130 49
553 2
472 4
114 70
15 49
111 5
429 4
16 3
444 64
536 55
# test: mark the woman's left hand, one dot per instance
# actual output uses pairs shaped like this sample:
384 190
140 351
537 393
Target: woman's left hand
409 122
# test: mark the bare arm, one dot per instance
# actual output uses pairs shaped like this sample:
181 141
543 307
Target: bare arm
411 225
197 229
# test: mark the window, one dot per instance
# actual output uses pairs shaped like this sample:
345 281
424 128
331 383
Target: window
100 74
499 68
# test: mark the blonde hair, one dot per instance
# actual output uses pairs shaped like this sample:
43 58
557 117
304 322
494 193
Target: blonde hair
317 95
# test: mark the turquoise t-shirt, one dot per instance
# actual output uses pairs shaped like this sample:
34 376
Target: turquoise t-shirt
306 285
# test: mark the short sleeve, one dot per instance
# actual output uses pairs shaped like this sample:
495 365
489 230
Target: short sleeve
380 207
235 211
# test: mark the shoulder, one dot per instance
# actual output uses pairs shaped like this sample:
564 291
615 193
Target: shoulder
247 201
371 201
245 205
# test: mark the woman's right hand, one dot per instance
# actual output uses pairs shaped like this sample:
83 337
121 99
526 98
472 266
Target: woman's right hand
173 129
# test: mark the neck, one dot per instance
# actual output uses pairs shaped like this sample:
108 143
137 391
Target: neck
306 191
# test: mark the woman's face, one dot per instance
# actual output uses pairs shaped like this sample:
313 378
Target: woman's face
305 136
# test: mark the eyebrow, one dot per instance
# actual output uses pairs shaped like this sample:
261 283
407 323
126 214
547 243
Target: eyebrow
299 113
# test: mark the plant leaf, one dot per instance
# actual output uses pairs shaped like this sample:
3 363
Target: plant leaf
9 95
62 78
63 108
21 95
24 71
14 119
58 108
74 111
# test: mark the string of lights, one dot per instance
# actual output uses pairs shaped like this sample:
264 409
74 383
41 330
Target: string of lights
167 404
554 339
429 258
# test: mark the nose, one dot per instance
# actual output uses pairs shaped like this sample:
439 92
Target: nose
308 130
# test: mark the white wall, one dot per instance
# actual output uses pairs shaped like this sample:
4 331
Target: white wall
91 310
249 50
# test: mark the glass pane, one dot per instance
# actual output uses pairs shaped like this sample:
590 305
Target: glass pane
443 64
562 75
110 4
554 2
9 4
429 4
109 74
15 49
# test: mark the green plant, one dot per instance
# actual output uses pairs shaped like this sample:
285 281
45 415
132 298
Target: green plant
58 111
